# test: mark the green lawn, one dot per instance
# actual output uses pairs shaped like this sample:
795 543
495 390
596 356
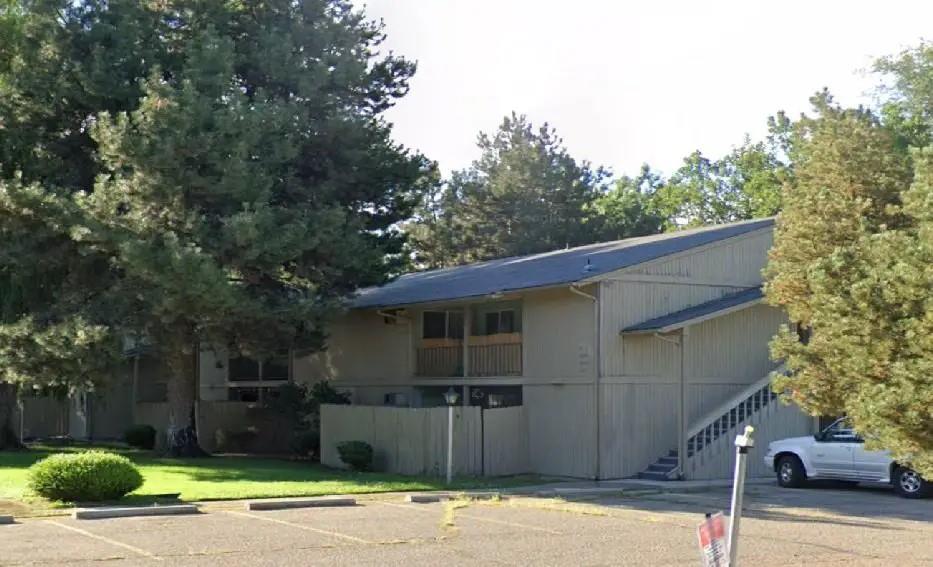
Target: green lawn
221 478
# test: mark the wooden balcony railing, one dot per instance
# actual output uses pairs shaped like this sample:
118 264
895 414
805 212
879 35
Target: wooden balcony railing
440 361
495 355
503 359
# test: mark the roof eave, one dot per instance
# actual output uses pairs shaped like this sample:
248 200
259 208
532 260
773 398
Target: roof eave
693 320
505 294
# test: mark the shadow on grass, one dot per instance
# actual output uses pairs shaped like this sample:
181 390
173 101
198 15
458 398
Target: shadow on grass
24 458
221 469
134 500
236 477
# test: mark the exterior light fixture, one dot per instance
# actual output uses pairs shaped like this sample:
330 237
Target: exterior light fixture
451 396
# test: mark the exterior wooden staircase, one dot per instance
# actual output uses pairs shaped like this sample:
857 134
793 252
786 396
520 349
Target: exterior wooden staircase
726 420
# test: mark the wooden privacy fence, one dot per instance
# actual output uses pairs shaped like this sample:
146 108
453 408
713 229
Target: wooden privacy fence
414 440
41 416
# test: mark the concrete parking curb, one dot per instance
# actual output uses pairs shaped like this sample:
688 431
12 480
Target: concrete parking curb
327 501
488 495
6 520
425 498
431 497
560 492
131 512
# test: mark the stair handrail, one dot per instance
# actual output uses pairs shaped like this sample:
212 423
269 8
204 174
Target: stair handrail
722 409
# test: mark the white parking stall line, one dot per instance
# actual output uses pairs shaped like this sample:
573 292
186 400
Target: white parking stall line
134 549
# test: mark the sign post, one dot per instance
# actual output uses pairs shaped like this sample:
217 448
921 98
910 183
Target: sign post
742 444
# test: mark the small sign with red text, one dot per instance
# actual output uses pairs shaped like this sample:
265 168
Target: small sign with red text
712 536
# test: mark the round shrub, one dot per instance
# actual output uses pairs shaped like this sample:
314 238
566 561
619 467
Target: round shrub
141 437
91 476
358 455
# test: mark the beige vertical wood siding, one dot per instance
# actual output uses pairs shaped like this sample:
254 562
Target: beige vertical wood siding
362 348
505 441
737 261
639 424
704 398
639 410
626 303
639 399
733 348
558 335
561 429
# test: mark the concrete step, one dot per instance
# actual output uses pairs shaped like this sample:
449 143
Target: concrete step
649 475
668 461
660 467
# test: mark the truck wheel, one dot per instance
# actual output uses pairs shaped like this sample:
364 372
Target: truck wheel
909 484
790 472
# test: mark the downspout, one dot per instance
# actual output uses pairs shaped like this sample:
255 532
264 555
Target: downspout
597 371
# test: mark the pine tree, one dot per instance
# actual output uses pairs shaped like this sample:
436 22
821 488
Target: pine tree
524 194
229 179
851 264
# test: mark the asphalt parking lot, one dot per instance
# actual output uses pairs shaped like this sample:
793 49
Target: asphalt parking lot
827 526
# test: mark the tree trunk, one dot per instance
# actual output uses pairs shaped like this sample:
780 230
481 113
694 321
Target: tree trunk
8 438
182 434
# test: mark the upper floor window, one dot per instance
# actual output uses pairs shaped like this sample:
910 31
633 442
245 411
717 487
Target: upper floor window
442 325
245 369
501 322
274 370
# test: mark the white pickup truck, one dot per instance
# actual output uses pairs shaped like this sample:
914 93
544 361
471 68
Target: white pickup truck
838 453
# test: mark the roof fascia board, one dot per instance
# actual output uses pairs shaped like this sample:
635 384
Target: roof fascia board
677 280
682 254
506 296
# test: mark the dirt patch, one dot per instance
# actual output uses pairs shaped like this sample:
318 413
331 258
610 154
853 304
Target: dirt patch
30 509
13 508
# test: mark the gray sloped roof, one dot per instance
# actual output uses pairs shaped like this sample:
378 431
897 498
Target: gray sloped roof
545 269
682 318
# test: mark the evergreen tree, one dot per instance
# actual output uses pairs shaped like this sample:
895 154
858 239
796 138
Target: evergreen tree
852 265
525 194
226 180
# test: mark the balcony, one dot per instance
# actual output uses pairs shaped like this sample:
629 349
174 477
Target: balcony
489 355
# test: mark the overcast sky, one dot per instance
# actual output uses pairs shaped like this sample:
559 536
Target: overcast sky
631 82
